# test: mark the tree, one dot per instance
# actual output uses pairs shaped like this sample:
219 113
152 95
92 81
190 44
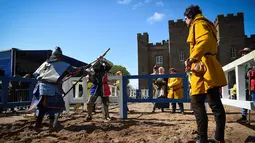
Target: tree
116 68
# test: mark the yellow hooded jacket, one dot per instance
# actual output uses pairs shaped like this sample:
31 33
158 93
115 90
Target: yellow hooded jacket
175 88
203 47
117 83
233 90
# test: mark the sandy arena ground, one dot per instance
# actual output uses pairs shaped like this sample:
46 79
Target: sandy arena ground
142 126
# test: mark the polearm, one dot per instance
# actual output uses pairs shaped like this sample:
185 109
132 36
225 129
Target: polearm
87 66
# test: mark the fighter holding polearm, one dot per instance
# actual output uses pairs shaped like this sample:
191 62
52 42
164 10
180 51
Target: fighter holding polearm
47 94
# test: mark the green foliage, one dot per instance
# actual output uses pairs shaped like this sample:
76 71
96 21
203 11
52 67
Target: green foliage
116 68
123 70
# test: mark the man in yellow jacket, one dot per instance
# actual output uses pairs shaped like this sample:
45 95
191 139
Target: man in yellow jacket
175 90
203 48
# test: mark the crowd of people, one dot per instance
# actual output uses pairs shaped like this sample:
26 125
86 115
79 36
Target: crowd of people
171 88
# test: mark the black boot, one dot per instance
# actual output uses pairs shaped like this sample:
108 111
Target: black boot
38 122
107 117
203 139
51 122
89 118
213 140
242 119
181 108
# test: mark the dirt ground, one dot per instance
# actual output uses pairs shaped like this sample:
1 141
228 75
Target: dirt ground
142 126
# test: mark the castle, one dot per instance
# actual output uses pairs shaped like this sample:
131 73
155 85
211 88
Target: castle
173 52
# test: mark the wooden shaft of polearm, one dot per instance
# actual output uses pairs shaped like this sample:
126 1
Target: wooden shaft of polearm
87 66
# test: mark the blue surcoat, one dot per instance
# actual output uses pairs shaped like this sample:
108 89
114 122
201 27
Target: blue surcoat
48 90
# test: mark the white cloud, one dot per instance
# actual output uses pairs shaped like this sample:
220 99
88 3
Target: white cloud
155 18
137 5
159 3
124 1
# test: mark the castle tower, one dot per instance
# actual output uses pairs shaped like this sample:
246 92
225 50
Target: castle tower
231 36
250 42
178 47
143 68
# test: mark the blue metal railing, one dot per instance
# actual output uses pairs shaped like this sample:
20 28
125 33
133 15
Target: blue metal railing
125 99
19 100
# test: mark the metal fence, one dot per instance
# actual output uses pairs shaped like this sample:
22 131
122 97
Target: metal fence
143 95
12 96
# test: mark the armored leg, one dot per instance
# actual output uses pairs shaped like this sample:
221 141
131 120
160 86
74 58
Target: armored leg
39 115
90 103
105 101
94 108
38 122
54 120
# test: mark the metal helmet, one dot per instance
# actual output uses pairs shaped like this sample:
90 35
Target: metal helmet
57 51
56 54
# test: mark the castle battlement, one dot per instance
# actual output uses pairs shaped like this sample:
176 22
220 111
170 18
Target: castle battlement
158 44
178 23
142 34
144 37
230 17
251 37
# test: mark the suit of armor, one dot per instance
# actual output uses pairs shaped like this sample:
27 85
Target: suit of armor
47 94
98 76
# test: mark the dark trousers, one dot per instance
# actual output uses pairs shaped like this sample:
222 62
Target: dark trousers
198 106
244 111
180 107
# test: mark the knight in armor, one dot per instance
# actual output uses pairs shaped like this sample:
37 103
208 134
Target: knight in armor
47 94
98 76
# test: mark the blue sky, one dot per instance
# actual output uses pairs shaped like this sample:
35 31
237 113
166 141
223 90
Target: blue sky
85 28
